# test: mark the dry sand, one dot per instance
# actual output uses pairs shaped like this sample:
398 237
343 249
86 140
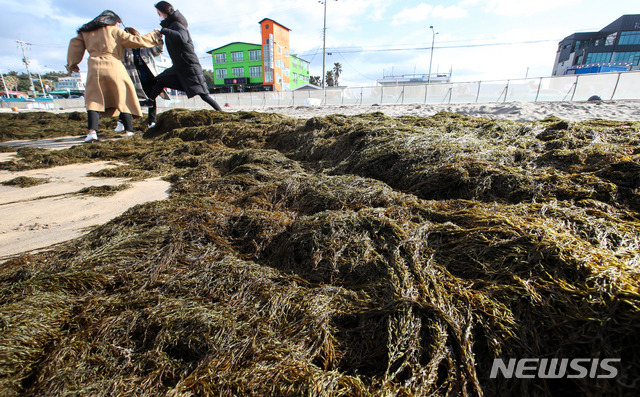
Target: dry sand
516 111
37 217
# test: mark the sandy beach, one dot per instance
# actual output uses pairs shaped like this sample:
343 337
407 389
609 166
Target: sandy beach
37 217
515 111
40 216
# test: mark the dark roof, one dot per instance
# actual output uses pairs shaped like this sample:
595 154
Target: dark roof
625 22
269 19
235 42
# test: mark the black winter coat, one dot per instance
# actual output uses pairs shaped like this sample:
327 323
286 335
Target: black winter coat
186 65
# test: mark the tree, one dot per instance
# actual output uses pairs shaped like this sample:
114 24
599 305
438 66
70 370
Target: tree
209 78
329 80
337 70
11 82
315 80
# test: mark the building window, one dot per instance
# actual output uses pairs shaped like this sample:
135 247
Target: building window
598 57
221 73
237 72
221 58
629 38
611 39
624 57
237 56
255 55
255 71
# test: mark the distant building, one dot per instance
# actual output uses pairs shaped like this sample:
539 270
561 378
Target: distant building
269 66
614 48
74 83
415 79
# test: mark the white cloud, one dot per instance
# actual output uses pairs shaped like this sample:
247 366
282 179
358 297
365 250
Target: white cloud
423 12
525 7
451 12
415 14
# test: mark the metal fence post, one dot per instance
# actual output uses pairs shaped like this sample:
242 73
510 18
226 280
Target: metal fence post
539 87
478 93
506 91
575 87
616 86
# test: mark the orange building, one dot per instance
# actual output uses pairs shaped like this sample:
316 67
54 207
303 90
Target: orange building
277 59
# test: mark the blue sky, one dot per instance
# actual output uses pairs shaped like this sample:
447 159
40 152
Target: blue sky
476 39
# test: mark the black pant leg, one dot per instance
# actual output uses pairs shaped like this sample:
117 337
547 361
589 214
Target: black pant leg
168 79
148 86
94 119
127 121
207 98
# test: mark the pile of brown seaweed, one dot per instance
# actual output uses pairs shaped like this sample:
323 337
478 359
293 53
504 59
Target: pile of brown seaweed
361 255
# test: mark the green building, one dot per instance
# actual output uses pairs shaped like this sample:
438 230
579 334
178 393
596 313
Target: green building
239 67
299 72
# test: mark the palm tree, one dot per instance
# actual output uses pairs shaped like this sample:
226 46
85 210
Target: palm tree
330 79
337 69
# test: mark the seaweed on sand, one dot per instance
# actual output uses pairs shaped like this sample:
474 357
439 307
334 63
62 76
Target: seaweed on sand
104 190
322 257
25 181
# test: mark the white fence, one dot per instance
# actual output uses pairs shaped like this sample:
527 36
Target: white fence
608 86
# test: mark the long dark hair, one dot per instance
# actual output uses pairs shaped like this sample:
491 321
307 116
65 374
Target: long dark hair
107 18
173 15
165 6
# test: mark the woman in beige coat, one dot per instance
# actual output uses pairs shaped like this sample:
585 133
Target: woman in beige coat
109 89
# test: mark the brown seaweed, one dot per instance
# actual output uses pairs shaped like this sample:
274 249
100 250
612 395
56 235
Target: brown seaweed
361 255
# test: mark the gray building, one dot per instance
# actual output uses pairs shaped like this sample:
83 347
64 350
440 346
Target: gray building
614 48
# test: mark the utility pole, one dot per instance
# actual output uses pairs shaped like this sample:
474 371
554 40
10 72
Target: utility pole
44 93
324 44
5 85
433 40
26 62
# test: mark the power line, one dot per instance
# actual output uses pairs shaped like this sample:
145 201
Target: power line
348 50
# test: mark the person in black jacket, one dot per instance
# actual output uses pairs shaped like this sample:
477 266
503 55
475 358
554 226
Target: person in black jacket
186 73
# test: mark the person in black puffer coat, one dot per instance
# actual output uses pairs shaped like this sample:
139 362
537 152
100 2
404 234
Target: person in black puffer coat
186 73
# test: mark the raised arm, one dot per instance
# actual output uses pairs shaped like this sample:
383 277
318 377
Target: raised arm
141 41
157 50
75 53
180 33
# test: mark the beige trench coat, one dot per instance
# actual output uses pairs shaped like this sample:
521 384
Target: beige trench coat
109 88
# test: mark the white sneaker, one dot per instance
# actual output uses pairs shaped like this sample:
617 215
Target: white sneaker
119 127
129 133
152 125
92 136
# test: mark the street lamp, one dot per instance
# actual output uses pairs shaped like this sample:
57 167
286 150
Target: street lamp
433 40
